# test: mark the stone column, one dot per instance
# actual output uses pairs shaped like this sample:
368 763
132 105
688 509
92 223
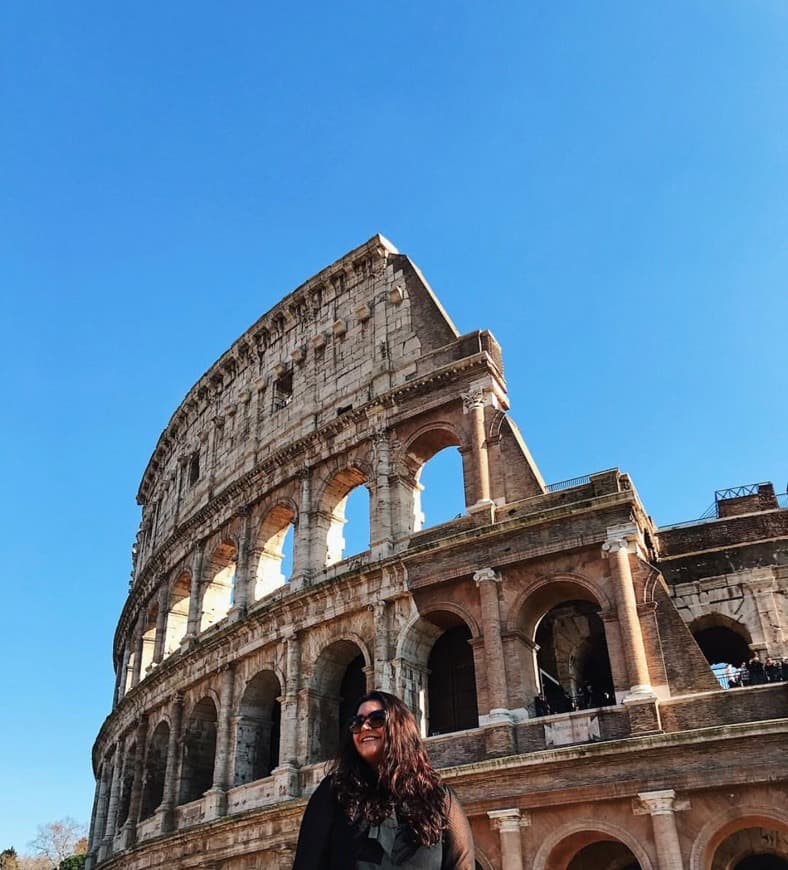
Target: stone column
135 802
170 792
383 678
508 823
621 541
302 545
763 586
195 605
161 620
99 820
381 533
660 805
139 643
241 591
473 404
106 846
216 796
120 680
288 742
487 582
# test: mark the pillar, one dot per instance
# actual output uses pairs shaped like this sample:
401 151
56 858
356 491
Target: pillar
139 643
621 541
382 663
660 805
120 680
487 582
195 604
99 819
106 847
508 823
161 620
241 591
170 795
381 532
216 796
302 549
288 742
473 404
763 587
135 802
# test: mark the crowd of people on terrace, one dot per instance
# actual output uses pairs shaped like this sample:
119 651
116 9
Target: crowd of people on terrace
756 672
559 700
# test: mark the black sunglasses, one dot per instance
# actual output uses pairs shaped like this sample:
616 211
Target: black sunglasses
375 719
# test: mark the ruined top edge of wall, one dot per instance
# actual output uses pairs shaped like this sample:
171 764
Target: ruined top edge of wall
360 327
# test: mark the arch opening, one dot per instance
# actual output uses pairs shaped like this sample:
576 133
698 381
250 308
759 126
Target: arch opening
155 769
338 682
451 684
274 551
126 785
437 478
258 733
345 516
148 640
219 592
178 614
199 752
572 659
752 847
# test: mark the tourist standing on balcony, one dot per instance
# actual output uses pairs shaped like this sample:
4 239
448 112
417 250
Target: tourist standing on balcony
382 804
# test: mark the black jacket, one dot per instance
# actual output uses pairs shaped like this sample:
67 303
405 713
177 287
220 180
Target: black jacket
327 841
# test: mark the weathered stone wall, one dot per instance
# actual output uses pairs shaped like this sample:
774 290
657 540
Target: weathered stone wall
231 678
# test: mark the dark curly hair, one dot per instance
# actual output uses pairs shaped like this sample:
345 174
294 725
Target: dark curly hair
404 781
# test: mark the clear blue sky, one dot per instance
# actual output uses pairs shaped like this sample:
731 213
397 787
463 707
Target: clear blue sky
603 185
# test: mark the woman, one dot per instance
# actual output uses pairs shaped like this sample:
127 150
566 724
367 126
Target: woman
382 805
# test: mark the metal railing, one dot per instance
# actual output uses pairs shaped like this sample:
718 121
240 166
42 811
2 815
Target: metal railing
568 484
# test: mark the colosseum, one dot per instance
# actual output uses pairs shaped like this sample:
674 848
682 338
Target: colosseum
553 642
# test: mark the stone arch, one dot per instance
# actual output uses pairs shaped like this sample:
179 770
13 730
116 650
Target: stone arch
551 589
558 848
482 861
422 446
277 523
724 824
435 669
722 638
330 519
219 587
148 637
126 783
155 768
258 728
199 749
570 610
336 682
178 612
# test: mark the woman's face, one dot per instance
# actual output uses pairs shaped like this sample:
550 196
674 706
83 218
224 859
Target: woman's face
370 742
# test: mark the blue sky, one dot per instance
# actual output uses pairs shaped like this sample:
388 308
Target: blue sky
603 185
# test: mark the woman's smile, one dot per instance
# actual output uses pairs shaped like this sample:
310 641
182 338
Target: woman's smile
370 741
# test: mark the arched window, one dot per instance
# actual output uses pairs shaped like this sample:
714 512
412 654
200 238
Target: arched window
178 614
574 666
338 681
452 682
259 715
440 492
149 639
218 595
604 853
343 518
199 752
126 783
274 550
155 767
722 640
435 476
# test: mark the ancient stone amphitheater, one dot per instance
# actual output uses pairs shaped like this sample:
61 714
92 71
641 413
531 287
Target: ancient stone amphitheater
233 679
